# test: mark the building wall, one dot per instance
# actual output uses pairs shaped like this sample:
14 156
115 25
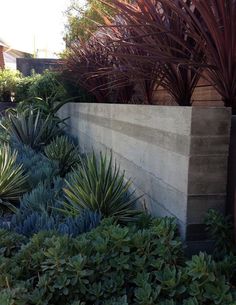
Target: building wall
177 156
2 65
26 65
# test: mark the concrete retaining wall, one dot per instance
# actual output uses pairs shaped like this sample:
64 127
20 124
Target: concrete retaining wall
177 156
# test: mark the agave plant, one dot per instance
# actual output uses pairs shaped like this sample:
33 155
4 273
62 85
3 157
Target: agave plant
62 150
99 187
13 181
32 128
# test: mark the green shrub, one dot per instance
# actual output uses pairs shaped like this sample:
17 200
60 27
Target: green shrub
220 230
62 150
113 265
97 186
23 87
10 243
47 86
13 181
8 82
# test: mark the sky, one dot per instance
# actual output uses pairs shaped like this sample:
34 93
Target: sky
31 25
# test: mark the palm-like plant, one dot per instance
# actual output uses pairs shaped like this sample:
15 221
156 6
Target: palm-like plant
98 187
217 27
155 44
13 181
86 62
62 150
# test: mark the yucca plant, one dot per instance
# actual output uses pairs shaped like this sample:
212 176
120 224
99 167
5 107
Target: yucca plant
32 128
99 187
13 181
62 150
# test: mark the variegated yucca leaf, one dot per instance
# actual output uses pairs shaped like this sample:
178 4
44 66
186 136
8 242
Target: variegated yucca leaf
98 186
13 181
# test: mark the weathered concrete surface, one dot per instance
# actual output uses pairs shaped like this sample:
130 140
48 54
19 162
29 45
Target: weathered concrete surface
177 156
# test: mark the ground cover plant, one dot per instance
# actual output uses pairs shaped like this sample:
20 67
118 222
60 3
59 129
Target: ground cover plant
140 264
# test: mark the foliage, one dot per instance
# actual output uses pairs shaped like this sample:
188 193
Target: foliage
150 54
4 137
13 181
220 229
23 86
152 43
96 186
216 28
85 61
39 211
37 222
36 165
112 265
62 150
47 86
74 90
10 243
82 21
32 128
8 82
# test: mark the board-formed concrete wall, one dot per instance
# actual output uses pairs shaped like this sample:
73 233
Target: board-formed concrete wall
176 156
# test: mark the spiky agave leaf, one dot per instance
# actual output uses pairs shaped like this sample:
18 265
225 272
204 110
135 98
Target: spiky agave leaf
33 128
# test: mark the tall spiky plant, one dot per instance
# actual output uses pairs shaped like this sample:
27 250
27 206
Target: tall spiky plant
13 181
211 25
83 62
158 38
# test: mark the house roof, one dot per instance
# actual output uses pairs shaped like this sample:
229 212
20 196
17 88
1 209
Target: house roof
7 48
3 43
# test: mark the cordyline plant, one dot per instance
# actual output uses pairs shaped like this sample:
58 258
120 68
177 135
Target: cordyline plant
83 62
129 66
154 40
217 27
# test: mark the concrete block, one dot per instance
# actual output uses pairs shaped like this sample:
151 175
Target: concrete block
177 156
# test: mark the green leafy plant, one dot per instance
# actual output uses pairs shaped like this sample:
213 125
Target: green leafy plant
13 181
10 242
8 82
113 265
97 186
33 128
47 85
220 230
23 86
62 150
